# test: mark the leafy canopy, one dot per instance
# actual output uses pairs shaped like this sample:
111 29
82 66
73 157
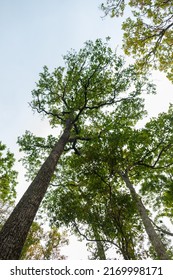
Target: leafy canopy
97 92
148 33
87 197
92 81
89 192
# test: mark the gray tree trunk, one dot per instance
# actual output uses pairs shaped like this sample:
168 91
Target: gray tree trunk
16 228
153 236
100 248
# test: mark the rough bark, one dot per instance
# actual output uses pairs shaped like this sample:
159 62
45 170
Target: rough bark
15 230
153 236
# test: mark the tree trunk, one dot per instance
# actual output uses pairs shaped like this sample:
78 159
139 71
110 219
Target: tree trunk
15 230
100 248
154 238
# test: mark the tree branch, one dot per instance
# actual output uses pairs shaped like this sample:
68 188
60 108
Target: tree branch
153 166
94 240
160 229
72 139
42 110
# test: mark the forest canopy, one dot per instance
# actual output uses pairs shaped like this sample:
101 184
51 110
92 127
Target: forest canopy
107 161
100 174
147 32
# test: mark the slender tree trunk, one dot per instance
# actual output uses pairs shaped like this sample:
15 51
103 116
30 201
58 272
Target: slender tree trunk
100 248
15 230
153 236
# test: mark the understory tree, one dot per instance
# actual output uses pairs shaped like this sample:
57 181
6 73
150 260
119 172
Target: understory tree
148 32
8 182
91 81
43 244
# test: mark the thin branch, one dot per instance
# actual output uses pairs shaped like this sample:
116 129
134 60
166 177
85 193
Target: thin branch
76 128
50 113
111 7
153 166
79 138
160 36
160 229
65 86
148 152
85 86
161 152
107 103
101 177
42 110
77 152
94 240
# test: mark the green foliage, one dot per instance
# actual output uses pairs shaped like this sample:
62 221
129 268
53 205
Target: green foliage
93 82
104 101
93 78
86 193
113 7
43 244
7 175
95 205
148 33
36 150
90 192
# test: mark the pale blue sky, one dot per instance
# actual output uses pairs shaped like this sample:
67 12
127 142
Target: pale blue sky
35 33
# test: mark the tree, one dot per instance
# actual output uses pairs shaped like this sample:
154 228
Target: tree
157 163
148 33
43 244
40 243
95 211
8 182
137 152
92 79
122 154
88 204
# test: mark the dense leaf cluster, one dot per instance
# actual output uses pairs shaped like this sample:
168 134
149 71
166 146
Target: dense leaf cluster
148 32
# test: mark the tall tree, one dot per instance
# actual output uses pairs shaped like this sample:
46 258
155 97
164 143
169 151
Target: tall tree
71 96
123 152
85 201
43 244
148 32
157 243
134 153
